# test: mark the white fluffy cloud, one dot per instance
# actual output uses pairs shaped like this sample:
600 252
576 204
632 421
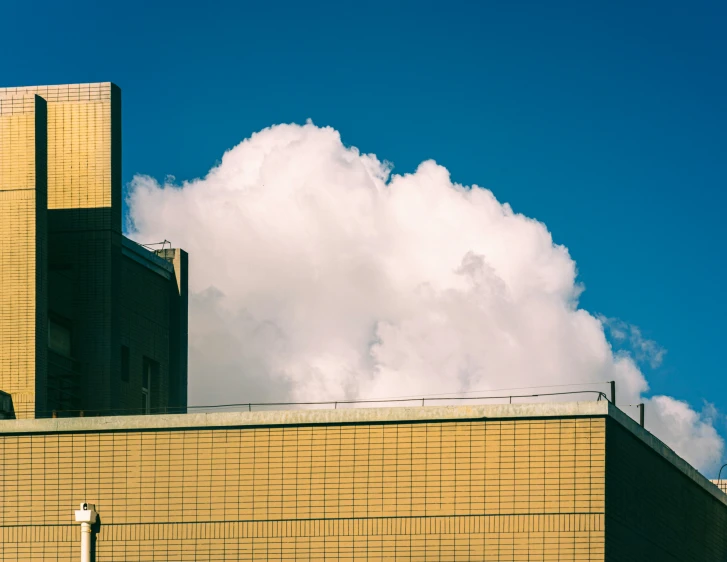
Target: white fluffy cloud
643 349
689 433
317 275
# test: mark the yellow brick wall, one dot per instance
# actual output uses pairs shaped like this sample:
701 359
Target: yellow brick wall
80 236
22 246
512 490
80 213
79 143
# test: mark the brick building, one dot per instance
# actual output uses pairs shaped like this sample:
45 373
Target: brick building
93 323
89 320
561 481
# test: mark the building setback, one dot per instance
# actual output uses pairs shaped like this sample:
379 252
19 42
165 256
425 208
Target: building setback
90 322
558 481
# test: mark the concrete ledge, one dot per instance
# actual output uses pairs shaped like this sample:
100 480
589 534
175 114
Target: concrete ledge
305 417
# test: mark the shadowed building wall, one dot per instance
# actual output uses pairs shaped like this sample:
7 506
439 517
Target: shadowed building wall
643 494
153 330
487 483
87 365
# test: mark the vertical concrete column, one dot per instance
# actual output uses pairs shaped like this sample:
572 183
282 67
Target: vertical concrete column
23 252
179 332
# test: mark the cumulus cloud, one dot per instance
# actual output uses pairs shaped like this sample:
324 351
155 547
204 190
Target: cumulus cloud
691 434
643 349
317 274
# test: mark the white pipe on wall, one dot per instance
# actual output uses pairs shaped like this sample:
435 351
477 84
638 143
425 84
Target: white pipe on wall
86 516
85 542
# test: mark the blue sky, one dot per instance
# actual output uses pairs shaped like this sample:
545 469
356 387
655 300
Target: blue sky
606 121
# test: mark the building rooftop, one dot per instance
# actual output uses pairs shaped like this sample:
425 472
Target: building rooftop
359 415
341 415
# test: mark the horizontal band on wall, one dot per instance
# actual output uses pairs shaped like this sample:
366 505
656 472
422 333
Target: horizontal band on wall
557 524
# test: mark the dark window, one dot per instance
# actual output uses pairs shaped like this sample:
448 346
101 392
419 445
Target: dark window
149 374
125 365
59 337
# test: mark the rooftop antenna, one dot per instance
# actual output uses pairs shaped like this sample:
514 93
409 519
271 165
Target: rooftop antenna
151 246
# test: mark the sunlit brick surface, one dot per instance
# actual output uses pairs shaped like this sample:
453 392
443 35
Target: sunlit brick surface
512 490
79 143
23 300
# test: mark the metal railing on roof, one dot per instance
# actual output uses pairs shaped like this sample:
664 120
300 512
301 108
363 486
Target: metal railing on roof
332 404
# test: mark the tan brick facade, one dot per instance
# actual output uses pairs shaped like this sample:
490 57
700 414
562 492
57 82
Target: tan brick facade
23 247
525 482
80 122
441 490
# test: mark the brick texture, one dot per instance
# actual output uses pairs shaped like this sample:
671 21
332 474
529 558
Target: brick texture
512 490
